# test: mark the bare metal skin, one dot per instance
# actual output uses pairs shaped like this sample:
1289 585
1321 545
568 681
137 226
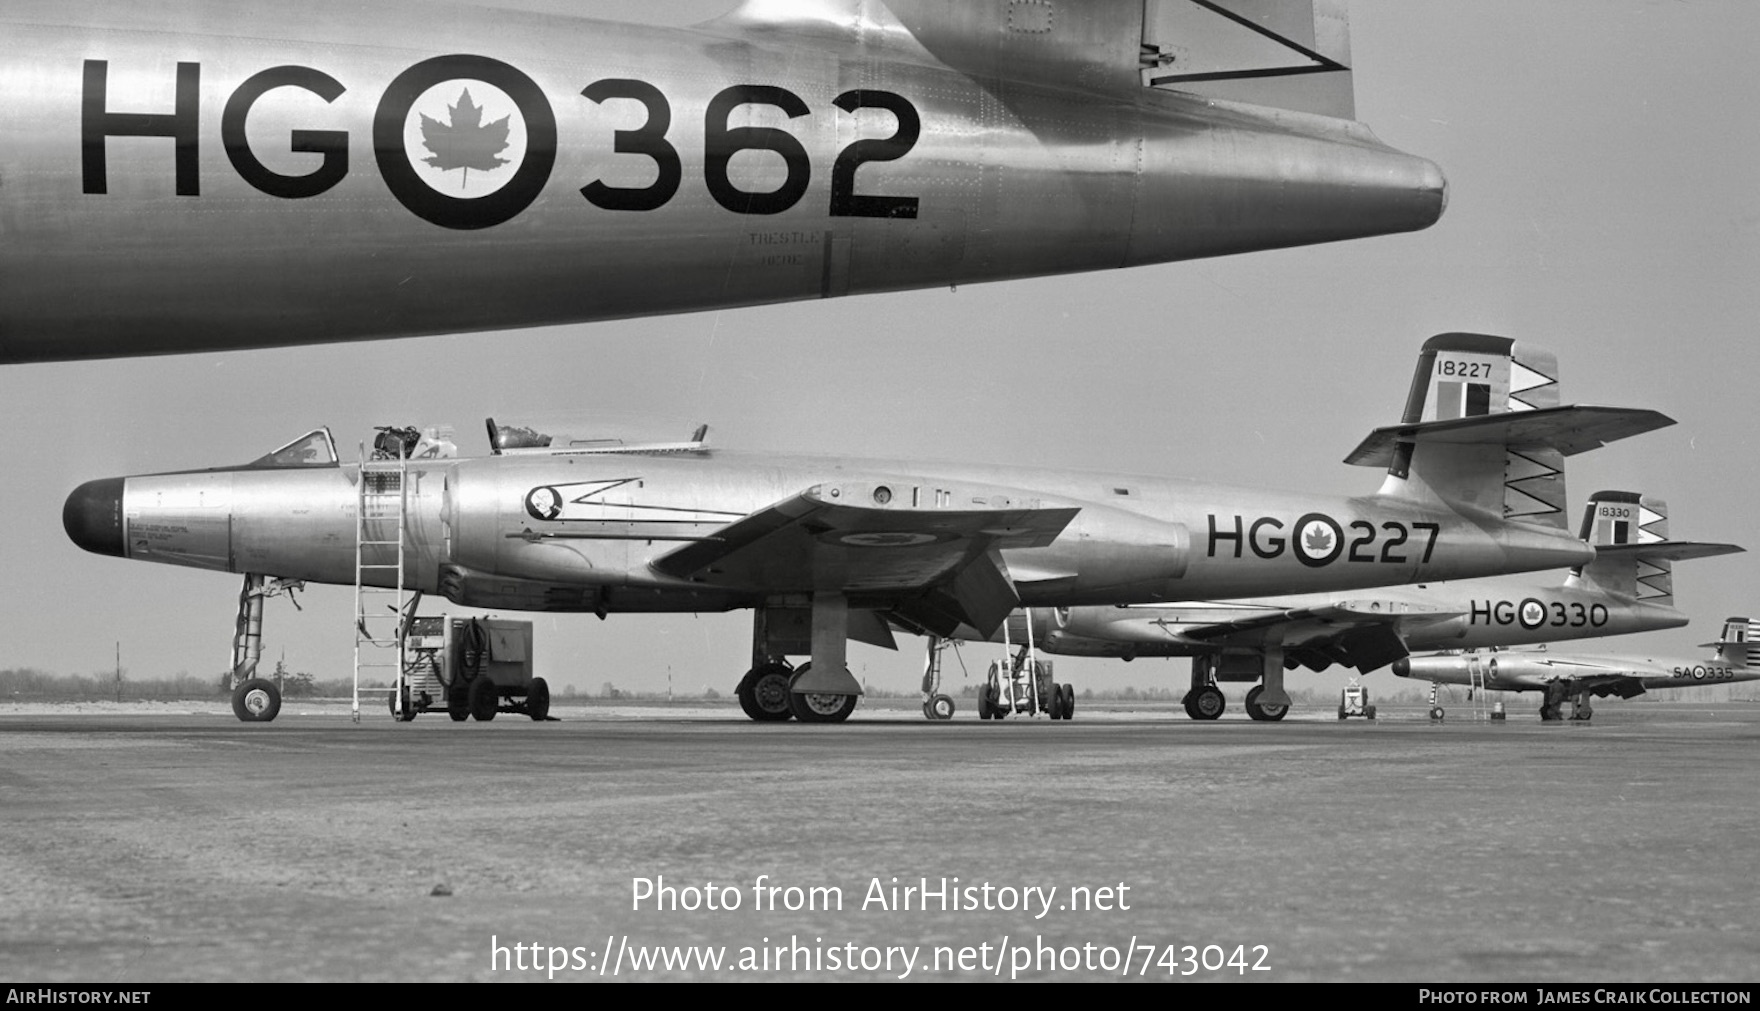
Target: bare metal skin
186 176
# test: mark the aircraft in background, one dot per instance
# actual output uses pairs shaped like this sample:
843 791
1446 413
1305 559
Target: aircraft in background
206 175
1628 587
1735 657
824 550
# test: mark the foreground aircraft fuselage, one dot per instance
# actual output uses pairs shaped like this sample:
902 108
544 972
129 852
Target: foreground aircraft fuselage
606 532
203 175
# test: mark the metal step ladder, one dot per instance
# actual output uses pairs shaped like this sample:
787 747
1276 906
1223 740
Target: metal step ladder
1018 666
382 603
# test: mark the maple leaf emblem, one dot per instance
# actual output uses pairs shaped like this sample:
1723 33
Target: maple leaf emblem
1318 540
466 142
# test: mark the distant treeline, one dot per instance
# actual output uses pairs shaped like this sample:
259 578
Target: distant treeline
28 684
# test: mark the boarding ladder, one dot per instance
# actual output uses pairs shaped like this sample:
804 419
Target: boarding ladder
382 603
1014 662
1479 684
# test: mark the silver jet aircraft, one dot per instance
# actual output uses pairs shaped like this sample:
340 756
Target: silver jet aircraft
1559 676
829 549
187 175
1628 587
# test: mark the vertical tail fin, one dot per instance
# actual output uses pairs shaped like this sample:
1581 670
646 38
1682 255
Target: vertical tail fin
1739 645
1615 519
1463 376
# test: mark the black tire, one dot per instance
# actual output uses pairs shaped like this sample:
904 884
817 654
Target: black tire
1054 703
984 712
485 698
819 707
1369 711
256 701
409 711
1264 714
942 707
1068 691
538 700
1207 703
458 701
763 694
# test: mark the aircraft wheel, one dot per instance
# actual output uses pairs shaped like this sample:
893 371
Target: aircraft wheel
1207 703
256 701
763 694
538 699
1264 714
1054 705
409 711
1068 691
941 707
484 698
1369 711
458 701
984 712
817 707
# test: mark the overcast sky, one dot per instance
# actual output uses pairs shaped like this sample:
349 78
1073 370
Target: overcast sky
1603 159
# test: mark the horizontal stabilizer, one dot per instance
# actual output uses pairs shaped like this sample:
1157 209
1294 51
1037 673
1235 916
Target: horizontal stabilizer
1568 430
1668 551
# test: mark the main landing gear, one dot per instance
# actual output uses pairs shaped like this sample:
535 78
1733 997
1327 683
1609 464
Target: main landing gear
820 691
1552 703
1265 703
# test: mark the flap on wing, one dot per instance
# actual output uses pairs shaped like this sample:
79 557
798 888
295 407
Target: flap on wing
980 595
1569 430
1667 551
859 538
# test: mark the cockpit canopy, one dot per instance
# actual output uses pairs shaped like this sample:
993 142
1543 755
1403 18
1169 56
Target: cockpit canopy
314 449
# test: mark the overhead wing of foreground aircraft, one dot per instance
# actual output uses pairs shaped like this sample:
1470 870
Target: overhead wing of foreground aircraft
188 175
1735 657
829 549
1628 587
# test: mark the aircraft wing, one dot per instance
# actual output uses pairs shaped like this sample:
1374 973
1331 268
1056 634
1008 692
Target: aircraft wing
1364 634
938 566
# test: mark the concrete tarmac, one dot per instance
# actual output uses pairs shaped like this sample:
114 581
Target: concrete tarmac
157 844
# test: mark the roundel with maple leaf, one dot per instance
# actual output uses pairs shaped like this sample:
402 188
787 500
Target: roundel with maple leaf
1318 540
463 141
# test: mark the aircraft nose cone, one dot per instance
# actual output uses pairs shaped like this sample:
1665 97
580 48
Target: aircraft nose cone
1432 187
93 517
1403 667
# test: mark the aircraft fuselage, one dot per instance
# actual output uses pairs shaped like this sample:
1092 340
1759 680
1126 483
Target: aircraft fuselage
579 533
196 176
